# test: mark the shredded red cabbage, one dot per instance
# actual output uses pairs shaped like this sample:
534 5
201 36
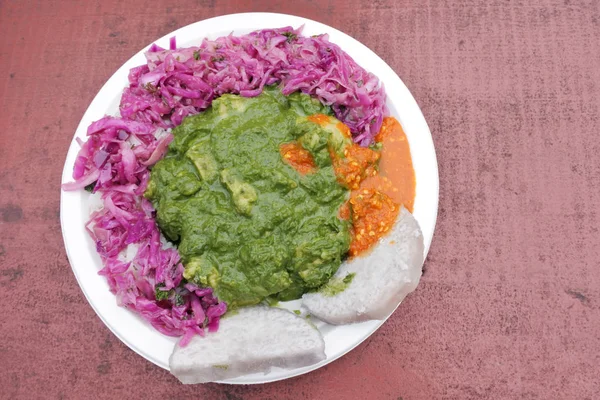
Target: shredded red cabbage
175 83
115 160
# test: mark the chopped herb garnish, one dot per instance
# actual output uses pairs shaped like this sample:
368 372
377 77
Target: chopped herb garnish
217 59
90 187
376 146
150 87
291 36
159 293
196 54
348 278
179 300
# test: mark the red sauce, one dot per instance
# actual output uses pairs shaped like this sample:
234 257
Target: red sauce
356 165
345 211
344 129
380 182
396 176
374 204
320 119
297 157
373 215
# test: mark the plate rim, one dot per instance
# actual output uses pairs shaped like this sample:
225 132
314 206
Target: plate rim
407 96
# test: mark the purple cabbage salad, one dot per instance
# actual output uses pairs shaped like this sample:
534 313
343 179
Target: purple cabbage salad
176 83
142 269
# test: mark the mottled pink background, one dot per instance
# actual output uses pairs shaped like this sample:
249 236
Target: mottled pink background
509 305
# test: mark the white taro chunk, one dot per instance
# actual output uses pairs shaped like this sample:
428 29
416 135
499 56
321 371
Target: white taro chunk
252 340
382 278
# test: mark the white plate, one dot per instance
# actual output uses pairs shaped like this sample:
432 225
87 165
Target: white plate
75 207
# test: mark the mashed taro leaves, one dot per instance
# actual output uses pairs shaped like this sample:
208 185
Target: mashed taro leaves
245 222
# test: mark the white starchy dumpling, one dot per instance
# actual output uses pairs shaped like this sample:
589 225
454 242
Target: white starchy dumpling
252 340
382 279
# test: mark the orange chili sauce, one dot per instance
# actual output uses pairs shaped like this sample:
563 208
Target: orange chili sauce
357 165
377 193
373 215
320 119
297 157
396 176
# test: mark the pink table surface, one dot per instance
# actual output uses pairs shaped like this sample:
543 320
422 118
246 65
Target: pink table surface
509 305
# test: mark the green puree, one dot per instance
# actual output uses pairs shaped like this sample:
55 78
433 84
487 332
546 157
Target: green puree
244 221
336 285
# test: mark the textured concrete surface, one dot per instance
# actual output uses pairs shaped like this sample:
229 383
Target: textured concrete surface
509 305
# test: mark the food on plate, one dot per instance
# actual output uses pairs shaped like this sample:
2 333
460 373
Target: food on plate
243 346
246 171
378 282
247 222
179 82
